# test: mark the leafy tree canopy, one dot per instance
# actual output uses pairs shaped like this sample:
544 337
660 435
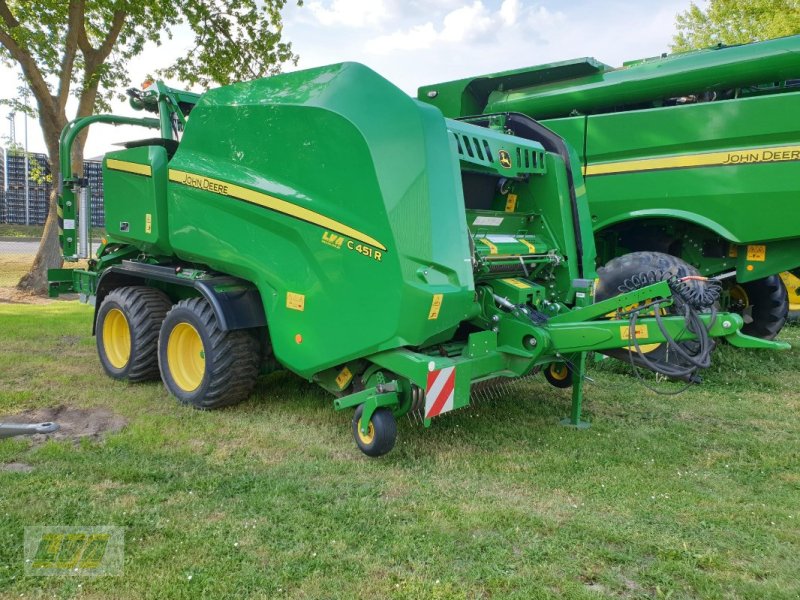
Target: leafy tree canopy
81 49
735 22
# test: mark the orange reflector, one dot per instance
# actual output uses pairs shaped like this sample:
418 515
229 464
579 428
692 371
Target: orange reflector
147 84
298 338
750 267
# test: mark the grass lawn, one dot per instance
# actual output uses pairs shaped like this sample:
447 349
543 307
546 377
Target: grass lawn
688 496
10 230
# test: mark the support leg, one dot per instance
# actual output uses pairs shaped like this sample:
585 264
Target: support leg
578 376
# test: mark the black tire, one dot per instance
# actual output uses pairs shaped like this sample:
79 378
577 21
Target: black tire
382 434
226 370
142 310
766 307
558 375
613 276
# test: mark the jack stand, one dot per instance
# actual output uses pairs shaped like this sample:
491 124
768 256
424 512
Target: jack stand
578 376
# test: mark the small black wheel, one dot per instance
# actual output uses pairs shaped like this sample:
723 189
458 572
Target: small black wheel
126 332
202 365
764 305
558 375
382 432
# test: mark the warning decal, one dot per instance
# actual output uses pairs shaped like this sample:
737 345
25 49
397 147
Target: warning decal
440 391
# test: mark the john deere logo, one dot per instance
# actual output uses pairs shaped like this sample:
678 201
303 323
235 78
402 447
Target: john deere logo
505 159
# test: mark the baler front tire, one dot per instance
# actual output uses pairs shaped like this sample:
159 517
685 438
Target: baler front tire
382 433
202 365
126 331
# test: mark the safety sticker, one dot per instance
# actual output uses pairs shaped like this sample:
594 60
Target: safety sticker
148 223
502 239
640 332
295 301
440 391
511 203
517 283
490 245
757 253
492 221
527 244
343 378
436 305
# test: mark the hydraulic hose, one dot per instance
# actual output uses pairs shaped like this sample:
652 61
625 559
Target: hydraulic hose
690 296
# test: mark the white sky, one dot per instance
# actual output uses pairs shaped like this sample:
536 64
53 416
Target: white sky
417 42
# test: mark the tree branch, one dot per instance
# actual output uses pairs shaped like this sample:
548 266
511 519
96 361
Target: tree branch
6 15
75 19
30 69
117 22
96 56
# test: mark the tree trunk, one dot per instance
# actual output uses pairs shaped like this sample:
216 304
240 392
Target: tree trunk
48 255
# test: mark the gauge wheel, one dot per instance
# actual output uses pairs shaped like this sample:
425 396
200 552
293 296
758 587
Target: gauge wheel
381 433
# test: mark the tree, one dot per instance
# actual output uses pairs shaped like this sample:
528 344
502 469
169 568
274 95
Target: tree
80 49
735 22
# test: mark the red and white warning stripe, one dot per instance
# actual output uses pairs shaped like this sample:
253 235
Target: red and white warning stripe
440 391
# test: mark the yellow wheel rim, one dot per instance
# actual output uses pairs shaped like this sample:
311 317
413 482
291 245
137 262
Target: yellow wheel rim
559 372
739 294
117 338
186 357
367 438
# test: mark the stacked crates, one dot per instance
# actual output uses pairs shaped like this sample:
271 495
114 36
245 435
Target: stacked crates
12 189
38 193
93 172
3 187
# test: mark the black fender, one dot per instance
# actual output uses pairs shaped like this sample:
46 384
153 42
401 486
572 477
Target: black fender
236 302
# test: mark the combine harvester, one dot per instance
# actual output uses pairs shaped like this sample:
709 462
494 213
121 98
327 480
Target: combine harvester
694 155
325 222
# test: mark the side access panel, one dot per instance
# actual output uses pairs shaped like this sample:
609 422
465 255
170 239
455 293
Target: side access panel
135 192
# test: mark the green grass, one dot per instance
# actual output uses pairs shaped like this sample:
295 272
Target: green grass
696 495
11 230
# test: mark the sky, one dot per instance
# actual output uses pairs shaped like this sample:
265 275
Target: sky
418 42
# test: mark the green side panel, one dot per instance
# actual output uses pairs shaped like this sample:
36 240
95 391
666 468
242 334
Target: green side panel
320 140
136 203
741 197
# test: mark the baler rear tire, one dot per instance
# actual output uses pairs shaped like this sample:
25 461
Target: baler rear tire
202 365
135 313
382 432
768 302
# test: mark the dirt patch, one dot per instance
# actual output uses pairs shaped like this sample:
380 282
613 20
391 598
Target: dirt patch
16 467
74 423
12 295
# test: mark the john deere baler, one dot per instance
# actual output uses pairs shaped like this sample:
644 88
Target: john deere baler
325 222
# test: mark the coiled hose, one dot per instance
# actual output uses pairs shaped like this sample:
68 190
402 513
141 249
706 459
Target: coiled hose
690 296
